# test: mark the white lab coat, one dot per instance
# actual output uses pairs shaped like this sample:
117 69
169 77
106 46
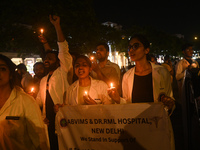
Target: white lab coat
161 83
181 67
26 132
98 92
58 83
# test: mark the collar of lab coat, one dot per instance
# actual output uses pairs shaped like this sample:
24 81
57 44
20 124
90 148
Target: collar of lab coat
11 98
156 79
91 92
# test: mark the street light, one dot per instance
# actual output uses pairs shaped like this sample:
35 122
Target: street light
195 37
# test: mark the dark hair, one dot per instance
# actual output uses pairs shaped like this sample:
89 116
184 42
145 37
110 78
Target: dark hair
166 58
142 39
38 63
105 46
52 52
186 46
12 68
21 67
85 58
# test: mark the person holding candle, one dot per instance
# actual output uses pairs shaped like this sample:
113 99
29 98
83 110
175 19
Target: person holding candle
104 69
187 63
145 82
39 71
21 124
54 85
86 90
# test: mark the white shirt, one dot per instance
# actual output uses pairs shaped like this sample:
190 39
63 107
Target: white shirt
161 83
26 132
58 83
98 92
181 66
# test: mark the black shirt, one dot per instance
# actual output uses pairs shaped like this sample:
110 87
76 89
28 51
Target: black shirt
142 89
190 61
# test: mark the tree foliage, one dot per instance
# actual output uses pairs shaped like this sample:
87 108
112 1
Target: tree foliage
21 20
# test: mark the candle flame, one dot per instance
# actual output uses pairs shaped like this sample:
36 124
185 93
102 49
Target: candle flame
92 58
111 85
85 92
42 31
32 89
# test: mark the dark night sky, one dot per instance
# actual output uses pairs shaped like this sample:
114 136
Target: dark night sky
172 17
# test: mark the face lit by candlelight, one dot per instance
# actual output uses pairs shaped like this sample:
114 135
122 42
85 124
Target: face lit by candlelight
82 68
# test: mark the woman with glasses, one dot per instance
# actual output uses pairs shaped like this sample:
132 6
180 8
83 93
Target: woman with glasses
145 82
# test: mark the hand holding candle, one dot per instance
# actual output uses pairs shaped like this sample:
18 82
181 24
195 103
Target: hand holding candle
113 93
111 86
88 100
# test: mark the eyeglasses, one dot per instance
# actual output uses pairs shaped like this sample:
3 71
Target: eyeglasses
135 46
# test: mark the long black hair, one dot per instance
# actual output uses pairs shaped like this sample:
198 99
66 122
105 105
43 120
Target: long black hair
11 67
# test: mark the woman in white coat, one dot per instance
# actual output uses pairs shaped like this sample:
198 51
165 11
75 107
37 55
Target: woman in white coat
86 90
145 82
21 124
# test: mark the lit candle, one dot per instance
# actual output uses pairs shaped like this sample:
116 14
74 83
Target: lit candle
111 86
41 31
92 58
32 90
85 93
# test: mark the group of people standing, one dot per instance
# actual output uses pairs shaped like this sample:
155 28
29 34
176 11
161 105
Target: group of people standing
22 124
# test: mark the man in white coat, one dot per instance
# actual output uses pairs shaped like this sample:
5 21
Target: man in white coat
53 86
186 63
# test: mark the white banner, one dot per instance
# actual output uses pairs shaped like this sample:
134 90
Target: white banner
100 127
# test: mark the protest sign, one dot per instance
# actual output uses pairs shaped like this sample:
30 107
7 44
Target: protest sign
129 126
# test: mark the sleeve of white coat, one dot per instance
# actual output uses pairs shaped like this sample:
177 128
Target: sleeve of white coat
168 85
39 99
179 71
64 56
124 90
35 124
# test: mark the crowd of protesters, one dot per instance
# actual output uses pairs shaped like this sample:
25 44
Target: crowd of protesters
65 79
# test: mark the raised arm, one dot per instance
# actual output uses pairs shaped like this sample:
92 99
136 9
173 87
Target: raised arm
55 20
64 55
